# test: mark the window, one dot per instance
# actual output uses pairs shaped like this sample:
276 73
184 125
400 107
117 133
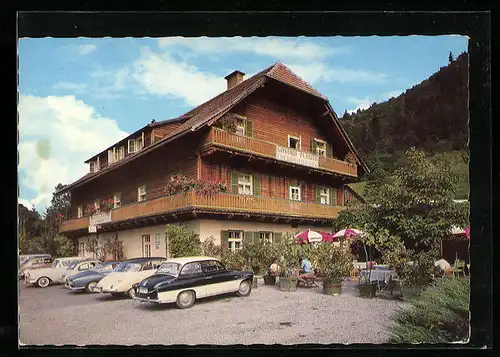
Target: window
324 196
94 165
245 186
320 147
294 193
266 236
235 240
146 245
83 267
81 249
294 142
156 138
240 127
139 144
141 193
111 156
117 200
211 266
131 146
97 205
120 154
79 211
191 269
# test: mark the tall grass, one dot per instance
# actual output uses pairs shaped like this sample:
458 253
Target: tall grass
440 315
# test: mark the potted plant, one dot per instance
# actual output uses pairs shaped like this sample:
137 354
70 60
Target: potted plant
415 274
107 205
367 288
334 263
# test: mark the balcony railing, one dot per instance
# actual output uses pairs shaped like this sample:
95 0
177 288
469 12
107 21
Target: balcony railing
267 149
222 202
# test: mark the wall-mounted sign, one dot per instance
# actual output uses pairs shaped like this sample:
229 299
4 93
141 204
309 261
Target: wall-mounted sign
92 229
157 241
297 157
100 218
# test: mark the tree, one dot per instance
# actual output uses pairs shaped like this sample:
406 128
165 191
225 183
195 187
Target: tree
450 58
182 243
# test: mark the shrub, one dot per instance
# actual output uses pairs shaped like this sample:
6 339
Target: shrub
64 247
440 315
334 263
182 243
233 260
210 249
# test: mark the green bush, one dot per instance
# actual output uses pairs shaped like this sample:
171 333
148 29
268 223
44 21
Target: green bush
440 315
182 243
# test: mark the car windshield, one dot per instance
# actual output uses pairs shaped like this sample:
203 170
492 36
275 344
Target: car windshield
24 260
104 266
55 263
128 267
169 268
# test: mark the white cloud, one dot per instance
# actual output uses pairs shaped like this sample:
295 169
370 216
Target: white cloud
361 103
319 71
76 88
269 46
84 50
56 136
393 94
162 75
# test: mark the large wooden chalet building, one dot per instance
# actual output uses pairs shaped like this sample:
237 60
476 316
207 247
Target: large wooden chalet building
286 166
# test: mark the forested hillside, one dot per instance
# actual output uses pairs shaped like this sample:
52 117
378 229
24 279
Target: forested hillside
432 116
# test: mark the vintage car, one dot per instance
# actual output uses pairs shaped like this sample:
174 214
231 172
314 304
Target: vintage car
183 280
78 267
43 277
33 261
126 274
87 280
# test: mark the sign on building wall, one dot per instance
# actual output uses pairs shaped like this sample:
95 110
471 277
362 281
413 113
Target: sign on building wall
100 218
92 229
297 157
157 241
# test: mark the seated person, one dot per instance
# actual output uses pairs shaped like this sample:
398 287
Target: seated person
443 265
274 269
306 268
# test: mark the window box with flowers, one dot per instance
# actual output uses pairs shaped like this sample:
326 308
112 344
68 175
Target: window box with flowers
182 184
107 205
91 210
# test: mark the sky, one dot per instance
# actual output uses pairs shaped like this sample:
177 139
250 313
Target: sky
78 96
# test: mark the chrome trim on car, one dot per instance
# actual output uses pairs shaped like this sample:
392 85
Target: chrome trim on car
109 290
156 301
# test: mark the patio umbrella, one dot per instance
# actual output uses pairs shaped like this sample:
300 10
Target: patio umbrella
348 232
310 236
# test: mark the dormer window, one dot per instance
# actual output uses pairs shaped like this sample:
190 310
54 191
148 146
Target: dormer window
134 145
116 154
94 165
131 146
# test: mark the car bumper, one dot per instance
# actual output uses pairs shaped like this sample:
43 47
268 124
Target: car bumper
148 299
102 290
74 287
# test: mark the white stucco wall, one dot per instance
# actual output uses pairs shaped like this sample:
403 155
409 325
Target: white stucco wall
132 238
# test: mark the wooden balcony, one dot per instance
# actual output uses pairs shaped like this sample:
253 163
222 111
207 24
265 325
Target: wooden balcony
221 138
219 203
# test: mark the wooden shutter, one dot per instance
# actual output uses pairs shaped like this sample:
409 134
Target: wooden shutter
234 182
248 128
333 196
277 237
248 237
318 196
224 236
257 185
313 146
329 150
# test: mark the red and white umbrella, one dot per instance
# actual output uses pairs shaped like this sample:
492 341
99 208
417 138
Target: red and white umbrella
310 236
348 233
457 231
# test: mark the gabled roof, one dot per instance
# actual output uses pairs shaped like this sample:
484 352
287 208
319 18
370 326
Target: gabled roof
212 109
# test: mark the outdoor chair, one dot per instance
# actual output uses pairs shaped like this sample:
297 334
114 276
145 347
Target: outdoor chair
458 268
355 274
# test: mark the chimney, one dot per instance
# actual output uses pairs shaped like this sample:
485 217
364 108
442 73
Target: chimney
234 78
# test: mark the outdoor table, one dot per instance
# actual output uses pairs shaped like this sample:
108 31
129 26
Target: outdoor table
377 275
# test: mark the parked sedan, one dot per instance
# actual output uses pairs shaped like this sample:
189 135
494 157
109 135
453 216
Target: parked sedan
126 274
183 280
78 267
43 277
87 280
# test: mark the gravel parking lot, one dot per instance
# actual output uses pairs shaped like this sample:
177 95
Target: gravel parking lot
57 316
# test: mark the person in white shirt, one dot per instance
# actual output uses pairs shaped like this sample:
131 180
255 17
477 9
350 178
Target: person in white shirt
442 264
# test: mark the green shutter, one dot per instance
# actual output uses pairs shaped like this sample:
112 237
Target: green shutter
329 150
248 128
333 196
224 235
248 236
318 196
313 146
257 185
234 182
277 237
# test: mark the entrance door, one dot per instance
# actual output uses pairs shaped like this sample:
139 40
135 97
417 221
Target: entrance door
146 245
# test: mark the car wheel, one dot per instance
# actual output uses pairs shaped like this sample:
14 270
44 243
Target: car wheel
131 293
245 288
185 299
43 282
90 286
